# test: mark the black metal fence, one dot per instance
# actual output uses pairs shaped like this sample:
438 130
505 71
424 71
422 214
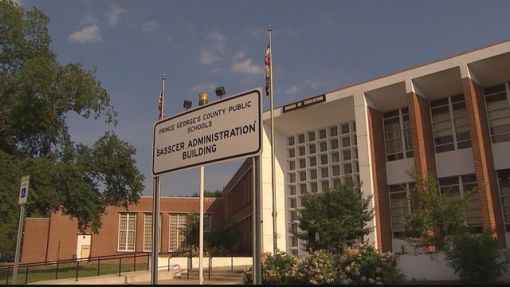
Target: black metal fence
102 265
75 268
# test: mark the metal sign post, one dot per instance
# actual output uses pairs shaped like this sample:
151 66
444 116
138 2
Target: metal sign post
22 200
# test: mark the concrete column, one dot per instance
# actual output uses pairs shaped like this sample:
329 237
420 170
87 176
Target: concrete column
483 161
365 160
421 135
382 212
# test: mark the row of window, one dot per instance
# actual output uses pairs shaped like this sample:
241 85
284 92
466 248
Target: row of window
177 232
452 187
450 123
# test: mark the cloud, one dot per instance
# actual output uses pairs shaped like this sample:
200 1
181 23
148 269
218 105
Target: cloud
245 65
114 14
149 26
292 90
215 50
87 34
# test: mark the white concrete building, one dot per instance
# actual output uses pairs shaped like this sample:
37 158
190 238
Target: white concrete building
449 119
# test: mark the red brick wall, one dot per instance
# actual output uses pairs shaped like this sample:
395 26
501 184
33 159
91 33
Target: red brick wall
382 209
238 206
483 161
421 135
61 230
35 239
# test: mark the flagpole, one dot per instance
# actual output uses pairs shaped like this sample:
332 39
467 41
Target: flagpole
273 183
155 199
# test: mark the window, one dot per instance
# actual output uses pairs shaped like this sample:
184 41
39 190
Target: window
127 231
147 232
178 227
464 187
397 140
450 125
498 112
504 195
400 206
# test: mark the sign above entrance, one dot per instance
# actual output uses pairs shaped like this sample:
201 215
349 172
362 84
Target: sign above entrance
226 129
304 103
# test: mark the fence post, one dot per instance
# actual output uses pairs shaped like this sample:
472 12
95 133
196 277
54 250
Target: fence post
232 263
134 261
26 275
77 269
190 263
210 267
168 263
56 271
7 275
98 266
120 265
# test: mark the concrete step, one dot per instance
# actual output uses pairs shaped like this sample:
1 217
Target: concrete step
215 276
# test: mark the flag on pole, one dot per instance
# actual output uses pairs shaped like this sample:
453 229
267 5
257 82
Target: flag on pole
267 62
160 105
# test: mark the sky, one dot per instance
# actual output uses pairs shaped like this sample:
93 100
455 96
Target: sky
317 46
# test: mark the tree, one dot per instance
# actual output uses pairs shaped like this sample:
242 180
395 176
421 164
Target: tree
334 219
37 93
434 216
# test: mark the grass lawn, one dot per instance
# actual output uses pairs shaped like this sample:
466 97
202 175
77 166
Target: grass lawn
68 270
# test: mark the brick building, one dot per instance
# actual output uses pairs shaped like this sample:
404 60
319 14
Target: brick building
449 119
123 230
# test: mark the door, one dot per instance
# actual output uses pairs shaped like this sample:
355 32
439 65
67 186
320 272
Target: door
83 246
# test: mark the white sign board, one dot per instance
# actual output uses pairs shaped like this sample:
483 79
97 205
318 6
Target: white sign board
23 189
226 129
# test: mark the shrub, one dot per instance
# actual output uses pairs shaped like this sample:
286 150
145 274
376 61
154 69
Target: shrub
280 268
476 258
317 268
365 265
359 265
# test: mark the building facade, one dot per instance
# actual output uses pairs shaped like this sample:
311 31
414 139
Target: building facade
449 119
123 230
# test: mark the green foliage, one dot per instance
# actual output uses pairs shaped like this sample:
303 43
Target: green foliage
355 265
365 265
317 268
435 217
476 258
280 268
37 94
334 219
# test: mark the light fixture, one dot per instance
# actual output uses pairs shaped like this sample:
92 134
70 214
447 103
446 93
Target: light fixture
187 104
203 98
220 91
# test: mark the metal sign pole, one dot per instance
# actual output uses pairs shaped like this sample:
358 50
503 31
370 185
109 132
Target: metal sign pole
22 200
18 243
201 228
254 220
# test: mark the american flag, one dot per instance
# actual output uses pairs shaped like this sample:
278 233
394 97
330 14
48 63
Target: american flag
161 102
267 62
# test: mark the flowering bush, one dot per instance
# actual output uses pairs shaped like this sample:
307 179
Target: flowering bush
280 268
365 265
317 268
356 265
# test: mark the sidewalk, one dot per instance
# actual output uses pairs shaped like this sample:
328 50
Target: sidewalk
138 277
142 277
